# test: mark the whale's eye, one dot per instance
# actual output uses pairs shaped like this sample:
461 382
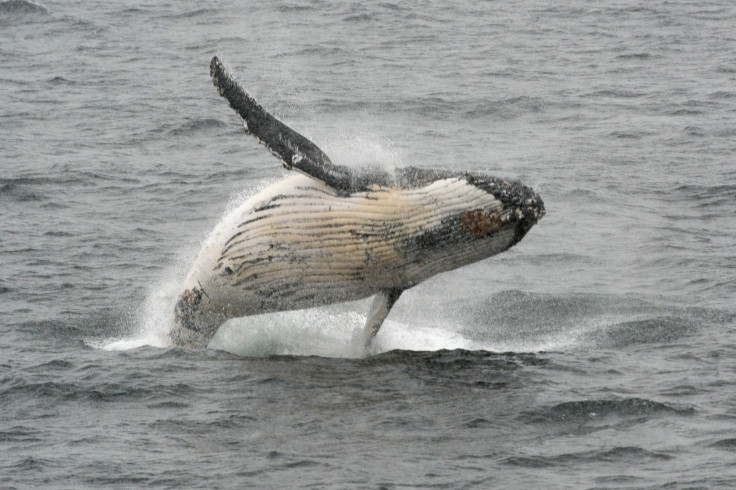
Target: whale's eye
228 270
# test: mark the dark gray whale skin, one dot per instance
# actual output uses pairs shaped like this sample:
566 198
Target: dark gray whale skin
227 280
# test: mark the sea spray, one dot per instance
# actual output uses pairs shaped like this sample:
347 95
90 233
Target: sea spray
151 323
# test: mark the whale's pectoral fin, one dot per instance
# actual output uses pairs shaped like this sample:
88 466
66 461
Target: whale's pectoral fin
379 310
293 149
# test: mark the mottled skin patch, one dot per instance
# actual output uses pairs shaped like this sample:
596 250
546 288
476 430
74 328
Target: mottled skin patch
187 305
480 224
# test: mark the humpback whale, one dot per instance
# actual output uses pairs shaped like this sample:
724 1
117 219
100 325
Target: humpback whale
331 233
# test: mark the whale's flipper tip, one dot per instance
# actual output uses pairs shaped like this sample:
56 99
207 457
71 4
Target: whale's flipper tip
379 310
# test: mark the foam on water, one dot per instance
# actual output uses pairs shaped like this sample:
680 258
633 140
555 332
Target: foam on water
327 333
334 332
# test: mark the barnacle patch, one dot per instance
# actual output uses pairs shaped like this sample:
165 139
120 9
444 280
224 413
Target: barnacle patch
187 305
480 224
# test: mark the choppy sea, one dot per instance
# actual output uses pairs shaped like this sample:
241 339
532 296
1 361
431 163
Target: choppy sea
598 353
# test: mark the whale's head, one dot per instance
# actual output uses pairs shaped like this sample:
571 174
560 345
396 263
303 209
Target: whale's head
515 208
526 209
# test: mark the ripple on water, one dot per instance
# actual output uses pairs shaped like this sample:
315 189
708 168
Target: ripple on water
595 410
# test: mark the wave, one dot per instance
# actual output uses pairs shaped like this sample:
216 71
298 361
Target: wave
619 454
438 106
295 7
593 411
634 56
190 14
18 190
21 434
615 94
359 18
726 444
93 391
21 7
64 178
581 321
645 331
14 11
32 464
59 80
704 196
326 332
194 126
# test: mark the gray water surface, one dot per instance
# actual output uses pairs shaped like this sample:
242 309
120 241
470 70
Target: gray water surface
598 353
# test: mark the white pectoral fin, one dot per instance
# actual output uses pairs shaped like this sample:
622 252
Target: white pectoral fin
380 307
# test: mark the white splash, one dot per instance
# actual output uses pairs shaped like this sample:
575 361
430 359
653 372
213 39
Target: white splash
332 331
326 333
152 322
362 148
319 332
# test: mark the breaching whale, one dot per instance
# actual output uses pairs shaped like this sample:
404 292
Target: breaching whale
331 233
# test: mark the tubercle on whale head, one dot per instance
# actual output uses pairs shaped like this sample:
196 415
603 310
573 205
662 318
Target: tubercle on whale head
526 210
530 209
516 198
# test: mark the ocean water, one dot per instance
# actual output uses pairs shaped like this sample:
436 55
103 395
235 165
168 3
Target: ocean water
598 353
